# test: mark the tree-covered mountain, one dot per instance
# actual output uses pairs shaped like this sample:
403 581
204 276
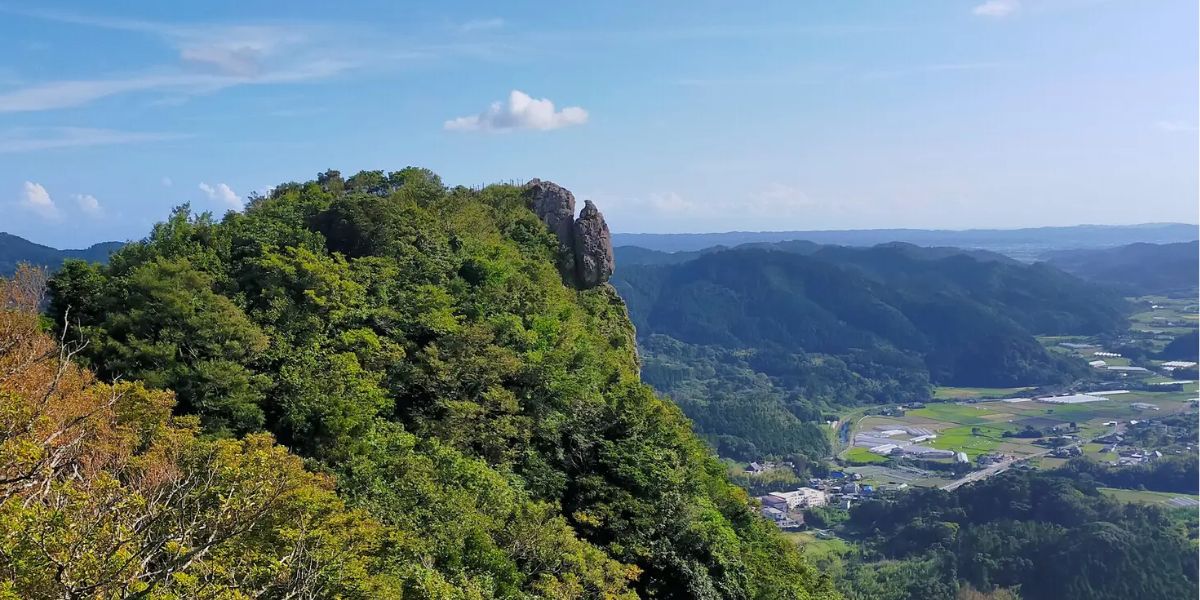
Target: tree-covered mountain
1053 536
971 321
762 342
15 250
425 348
1136 269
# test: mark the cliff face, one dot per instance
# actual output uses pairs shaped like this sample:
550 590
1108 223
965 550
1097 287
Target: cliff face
585 244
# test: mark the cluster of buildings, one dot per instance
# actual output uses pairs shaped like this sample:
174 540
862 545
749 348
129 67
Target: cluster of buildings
786 509
1098 362
1126 455
1171 365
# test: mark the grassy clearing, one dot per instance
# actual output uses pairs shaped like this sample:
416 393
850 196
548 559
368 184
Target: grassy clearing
816 548
972 393
1147 497
1097 452
958 414
974 440
863 456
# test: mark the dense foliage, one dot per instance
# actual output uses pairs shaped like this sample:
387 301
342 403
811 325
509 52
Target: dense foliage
1136 269
1052 534
970 321
753 403
1168 474
417 343
1183 347
103 495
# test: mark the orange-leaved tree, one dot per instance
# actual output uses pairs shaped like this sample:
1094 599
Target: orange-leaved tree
104 495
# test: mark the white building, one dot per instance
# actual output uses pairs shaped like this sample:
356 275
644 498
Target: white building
801 498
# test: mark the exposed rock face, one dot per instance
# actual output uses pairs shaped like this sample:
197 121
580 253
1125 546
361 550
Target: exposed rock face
593 248
585 244
554 205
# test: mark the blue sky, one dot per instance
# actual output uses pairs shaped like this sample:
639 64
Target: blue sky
673 116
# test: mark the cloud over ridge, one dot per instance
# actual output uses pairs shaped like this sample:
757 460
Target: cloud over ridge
520 112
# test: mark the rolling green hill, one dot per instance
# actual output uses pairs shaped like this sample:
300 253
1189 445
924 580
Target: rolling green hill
15 250
1136 269
971 321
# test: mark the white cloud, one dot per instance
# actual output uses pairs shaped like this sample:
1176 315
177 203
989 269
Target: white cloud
773 201
35 198
166 181
210 57
521 112
1175 126
66 94
997 8
32 139
481 25
88 204
221 193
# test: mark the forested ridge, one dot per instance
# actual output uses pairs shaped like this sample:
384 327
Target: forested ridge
760 343
470 427
1050 535
972 321
1136 269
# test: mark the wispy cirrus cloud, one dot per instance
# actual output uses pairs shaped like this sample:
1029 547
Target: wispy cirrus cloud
48 138
937 68
1175 126
481 25
520 112
775 199
209 58
997 9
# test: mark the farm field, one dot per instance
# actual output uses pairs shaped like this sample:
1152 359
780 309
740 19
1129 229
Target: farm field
973 393
884 476
1167 499
977 428
818 548
863 456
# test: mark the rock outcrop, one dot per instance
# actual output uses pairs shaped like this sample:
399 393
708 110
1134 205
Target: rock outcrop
585 244
554 205
593 248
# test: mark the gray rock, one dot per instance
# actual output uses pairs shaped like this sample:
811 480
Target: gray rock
554 205
593 248
585 244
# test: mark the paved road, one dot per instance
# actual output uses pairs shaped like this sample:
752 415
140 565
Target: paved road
982 474
1002 466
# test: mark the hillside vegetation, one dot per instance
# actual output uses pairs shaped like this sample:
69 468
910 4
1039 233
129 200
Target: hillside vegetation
757 342
1136 269
1053 536
416 346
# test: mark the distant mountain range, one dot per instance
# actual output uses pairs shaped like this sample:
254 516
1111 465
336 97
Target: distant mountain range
15 250
1024 244
970 316
1135 269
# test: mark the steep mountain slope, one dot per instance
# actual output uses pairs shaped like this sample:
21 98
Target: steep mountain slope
1136 269
447 355
15 250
